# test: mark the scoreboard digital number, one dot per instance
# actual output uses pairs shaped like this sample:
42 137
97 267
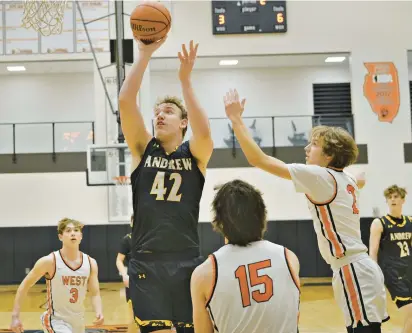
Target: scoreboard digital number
249 17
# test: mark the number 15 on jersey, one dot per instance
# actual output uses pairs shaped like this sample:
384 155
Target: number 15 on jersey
248 276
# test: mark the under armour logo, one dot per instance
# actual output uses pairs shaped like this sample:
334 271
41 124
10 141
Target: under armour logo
142 276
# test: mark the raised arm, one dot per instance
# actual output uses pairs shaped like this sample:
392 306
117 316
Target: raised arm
43 267
254 155
375 238
94 289
133 127
201 144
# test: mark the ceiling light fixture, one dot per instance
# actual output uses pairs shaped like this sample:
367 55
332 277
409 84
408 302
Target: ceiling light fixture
335 59
16 68
228 62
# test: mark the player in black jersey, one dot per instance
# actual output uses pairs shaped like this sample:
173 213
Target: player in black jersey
167 183
122 264
391 246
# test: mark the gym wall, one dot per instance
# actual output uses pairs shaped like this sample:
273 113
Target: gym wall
32 203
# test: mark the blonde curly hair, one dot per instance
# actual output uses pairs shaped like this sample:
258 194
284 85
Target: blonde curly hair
338 143
61 226
395 189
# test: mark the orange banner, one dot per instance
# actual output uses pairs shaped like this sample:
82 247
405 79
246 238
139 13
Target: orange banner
381 89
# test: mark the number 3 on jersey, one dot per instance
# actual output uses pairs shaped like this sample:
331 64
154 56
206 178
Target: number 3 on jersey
159 189
254 280
74 292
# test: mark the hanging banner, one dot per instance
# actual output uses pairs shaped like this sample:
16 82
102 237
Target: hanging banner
381 89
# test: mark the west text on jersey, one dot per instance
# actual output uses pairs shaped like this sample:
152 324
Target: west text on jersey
74 280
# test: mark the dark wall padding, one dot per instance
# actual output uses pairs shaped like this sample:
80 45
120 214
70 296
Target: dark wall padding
77 162
21 247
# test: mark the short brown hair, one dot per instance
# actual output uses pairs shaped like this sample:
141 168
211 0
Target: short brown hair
395 189
176 101
338 143
239 213
61 226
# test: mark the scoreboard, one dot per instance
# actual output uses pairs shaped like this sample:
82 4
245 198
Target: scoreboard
249 17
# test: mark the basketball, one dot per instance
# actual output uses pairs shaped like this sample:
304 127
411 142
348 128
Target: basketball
150 21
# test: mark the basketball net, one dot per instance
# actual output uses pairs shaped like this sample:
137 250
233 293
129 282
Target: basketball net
44 16
122 194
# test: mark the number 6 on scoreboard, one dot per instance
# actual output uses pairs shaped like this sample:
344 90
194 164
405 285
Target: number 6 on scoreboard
279 17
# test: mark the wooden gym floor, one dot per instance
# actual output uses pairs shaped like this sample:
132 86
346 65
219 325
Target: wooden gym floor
319 312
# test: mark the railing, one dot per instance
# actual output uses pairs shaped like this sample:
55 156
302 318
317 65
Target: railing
45 137
268 132
276 131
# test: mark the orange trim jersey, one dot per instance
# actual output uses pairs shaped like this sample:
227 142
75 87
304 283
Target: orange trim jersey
358 282
66 292
255 289
333 201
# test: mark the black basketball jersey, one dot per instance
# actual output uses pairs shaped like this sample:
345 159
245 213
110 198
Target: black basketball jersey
396 242
126 248
167 189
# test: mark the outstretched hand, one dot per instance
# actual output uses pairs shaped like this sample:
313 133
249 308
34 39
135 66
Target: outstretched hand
233 106
187 60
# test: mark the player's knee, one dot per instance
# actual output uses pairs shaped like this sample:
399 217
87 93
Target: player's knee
407 311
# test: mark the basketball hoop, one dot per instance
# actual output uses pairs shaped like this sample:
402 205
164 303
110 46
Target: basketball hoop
44 16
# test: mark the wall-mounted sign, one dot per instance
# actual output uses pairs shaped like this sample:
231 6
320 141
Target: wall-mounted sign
381 89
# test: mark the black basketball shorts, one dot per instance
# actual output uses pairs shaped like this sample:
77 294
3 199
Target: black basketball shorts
399 286
127 292
160 291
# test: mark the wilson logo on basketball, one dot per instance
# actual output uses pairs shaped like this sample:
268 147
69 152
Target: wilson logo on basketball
139 27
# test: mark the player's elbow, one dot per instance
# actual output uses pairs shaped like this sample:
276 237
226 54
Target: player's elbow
125 103
373 253
257 160
94 292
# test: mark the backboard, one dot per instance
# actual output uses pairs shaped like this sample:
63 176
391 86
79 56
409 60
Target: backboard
104 164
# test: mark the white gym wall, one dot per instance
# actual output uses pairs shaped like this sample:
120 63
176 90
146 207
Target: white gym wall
335 26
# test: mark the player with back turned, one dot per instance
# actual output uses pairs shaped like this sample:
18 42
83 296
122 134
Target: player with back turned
167 183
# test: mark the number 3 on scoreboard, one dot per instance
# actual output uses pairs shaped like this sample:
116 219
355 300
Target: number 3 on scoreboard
254 280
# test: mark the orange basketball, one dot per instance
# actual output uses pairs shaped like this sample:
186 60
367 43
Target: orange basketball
150 21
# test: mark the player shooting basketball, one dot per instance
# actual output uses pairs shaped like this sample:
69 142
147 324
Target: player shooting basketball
332 197
391 246
167 183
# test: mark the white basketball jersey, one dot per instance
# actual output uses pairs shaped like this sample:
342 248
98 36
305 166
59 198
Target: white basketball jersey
67 289
254 290
337 223
333 201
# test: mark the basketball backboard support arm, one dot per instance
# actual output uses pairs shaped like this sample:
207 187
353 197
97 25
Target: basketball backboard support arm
120 67
94 53
120 64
